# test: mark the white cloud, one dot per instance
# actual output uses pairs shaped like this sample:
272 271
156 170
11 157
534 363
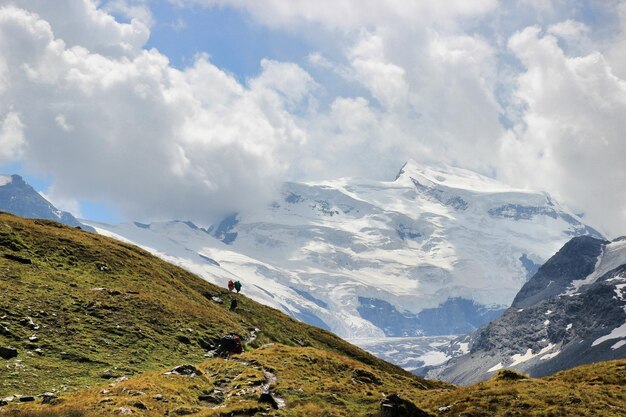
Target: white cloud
82 23
11 137
354 14
527 89
570 138
157 141
69 204
133 9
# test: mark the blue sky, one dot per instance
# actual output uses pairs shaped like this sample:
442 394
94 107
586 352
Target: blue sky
231 38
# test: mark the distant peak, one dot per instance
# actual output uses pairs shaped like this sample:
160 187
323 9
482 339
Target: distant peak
13 178
409 166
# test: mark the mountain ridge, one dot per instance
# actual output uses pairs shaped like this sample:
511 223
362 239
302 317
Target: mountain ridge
412 243
572 312
18 197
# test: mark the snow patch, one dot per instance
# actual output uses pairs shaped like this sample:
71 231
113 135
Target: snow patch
569 327
521 358
433 358
618 344
617 333
550 355
496 367
547 322
5 179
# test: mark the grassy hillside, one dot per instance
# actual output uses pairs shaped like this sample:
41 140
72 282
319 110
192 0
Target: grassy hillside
100 323
87 309
312 382
592 390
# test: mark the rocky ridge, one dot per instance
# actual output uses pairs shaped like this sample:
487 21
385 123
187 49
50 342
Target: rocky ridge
572 312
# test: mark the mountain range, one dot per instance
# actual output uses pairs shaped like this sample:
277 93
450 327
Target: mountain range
436 251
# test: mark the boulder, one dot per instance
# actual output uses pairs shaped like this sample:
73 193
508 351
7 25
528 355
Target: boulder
394 406
17 258
27 399
7 352
365 377
213 399
48 398
140 406
230 344
5 331
185 370
267 398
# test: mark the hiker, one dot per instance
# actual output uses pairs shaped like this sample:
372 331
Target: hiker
233 305
231 285
237 286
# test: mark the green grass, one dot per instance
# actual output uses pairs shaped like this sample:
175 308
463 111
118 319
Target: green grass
133 325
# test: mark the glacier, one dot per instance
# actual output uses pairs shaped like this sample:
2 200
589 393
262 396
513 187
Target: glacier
438 249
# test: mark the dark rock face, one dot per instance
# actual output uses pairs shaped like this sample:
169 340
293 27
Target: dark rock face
7 352
48 398
186 370
19 198
519 212
267 398
442 196
455 316
213 399
365 377
574 261
552 326
394 406
16 258
140 406
224 230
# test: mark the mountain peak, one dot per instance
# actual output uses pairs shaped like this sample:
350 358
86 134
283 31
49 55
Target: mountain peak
19 198
450 176
410 166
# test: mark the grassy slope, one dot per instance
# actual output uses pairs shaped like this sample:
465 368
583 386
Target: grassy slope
313 382
104 305
135 333
591 390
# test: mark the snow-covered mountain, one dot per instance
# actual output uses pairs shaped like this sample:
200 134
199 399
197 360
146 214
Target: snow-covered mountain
572 312
436 251
17 197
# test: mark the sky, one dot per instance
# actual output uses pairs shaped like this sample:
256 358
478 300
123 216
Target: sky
188 109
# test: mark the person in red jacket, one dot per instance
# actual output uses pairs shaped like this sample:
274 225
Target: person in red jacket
231 285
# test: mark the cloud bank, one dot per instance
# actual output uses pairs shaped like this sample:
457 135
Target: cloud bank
530 91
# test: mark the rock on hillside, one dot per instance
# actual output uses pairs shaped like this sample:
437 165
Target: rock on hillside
572 312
